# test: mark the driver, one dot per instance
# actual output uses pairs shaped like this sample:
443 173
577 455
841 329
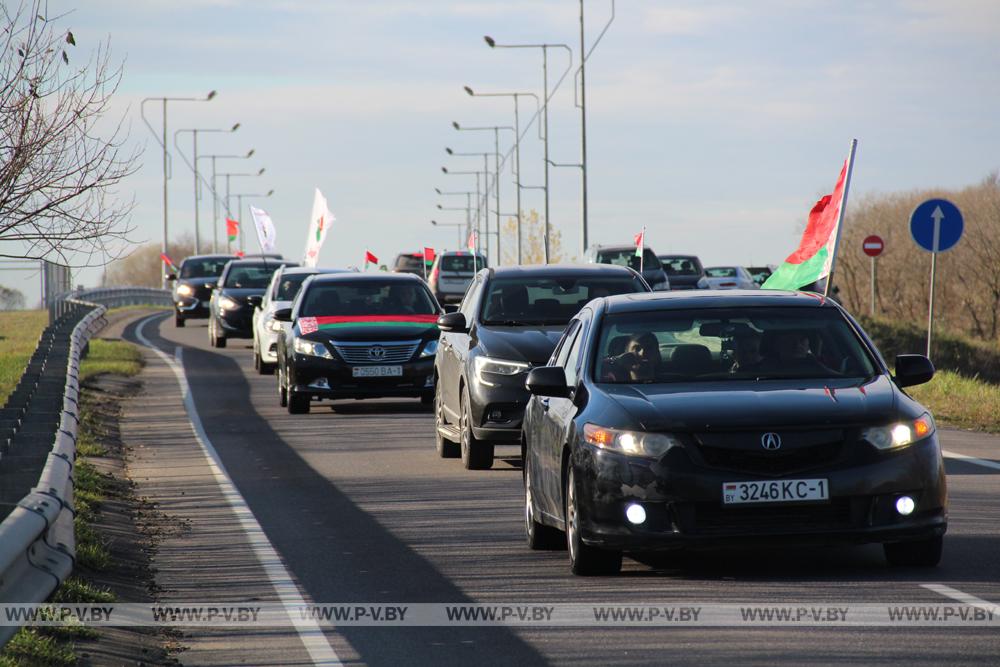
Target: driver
747 353
640 362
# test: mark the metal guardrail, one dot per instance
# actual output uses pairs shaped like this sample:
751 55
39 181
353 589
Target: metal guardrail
116 297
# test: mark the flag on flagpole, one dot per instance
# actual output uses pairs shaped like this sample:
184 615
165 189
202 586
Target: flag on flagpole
166 260
232 229
428 259
370 259
640 242
319 225
472 241
814 258
265 229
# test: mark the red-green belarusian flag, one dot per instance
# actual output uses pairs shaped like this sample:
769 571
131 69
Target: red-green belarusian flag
232 229
370 259
817 250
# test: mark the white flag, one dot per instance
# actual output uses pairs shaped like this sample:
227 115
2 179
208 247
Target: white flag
265 229
319 225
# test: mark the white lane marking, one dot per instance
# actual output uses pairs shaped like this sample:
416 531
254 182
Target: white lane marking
288 591
972 459
962 596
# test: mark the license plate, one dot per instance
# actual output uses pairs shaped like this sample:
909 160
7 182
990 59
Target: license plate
377 371
783 491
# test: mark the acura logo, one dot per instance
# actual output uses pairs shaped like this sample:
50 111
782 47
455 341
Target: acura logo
376 353
770 441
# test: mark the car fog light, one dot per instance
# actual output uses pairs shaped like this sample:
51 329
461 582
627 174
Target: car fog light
635 513
905 505
319 383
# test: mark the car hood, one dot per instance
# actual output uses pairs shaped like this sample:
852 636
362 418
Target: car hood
765 404
532 344
368 327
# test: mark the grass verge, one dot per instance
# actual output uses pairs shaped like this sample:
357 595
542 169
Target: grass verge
959 401
19 333
110 356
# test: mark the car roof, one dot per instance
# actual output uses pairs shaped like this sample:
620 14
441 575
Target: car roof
380 276
457 253
621 246
203 257
723 266
565 270
679 256
652 301
297 270
262 262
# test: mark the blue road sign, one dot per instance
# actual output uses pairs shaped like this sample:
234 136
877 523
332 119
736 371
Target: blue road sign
936 225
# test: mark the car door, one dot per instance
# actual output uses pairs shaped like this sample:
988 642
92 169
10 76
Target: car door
546 445
454 348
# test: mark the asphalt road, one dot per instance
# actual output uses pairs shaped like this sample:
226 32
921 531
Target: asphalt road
358 505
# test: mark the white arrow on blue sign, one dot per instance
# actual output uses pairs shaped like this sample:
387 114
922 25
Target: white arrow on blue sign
936 225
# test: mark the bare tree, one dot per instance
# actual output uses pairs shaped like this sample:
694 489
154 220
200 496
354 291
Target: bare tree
532 241
141 267
11 298
57 172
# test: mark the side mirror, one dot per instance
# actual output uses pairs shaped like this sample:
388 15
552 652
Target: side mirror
255 300
547 381
171 276
283 314
452 323
450 307
913 369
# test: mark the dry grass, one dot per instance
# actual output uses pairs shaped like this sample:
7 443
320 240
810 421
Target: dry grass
19 334
961 401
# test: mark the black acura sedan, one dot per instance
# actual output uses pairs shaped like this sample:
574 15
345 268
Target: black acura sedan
193 284
357 336
509 321
239 291
716 419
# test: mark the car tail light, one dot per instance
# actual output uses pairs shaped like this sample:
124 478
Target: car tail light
727 284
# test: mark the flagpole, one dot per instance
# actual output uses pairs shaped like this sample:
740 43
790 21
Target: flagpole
840 215
642 247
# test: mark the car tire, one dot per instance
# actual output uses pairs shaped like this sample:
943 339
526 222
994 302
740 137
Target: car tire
476 454
179 320
917 553
584 560
427 399
282 389
298 404
539 536
446 449
216 341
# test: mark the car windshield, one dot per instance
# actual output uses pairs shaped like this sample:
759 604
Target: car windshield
368 297
204 268
548 301
759 274
247 277
288 286
627 257
733 344
408 263
462 263
681 266
721 272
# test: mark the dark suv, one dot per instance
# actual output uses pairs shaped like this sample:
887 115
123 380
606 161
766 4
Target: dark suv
193 285
684 272
240 289
509 322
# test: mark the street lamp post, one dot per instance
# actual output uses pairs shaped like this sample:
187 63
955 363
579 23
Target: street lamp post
163 143
215 194
545 109
496 172
239 210
457 225
229 212
444 170
194 167
517 150
481 215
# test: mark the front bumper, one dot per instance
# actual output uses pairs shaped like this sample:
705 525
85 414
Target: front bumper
237 323
683 502
267 344
498 411
190 307
332 378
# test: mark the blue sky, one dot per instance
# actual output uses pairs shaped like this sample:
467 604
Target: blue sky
714 124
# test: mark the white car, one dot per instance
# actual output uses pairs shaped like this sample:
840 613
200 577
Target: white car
729 277
281 291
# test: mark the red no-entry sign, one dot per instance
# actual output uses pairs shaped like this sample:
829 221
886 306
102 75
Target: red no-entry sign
873 245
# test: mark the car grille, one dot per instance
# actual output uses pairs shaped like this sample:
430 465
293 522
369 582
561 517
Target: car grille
713 518
771 463
395 352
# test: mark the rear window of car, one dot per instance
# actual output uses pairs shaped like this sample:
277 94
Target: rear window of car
203 268
721 272
367 297
729 344
547 300
288 286
462 263
250 277
408 263
681 266
628 258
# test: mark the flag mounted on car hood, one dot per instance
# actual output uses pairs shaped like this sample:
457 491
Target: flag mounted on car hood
814 258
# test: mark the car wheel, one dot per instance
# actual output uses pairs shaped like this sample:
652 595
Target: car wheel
446 449
282 389
178 320
476 454
211 331
918 553
585 560
216 340
298 404
540 537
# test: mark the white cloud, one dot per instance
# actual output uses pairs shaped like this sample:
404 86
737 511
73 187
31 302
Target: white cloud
689 20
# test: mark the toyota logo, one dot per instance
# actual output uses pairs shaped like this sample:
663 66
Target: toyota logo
770 441
376 353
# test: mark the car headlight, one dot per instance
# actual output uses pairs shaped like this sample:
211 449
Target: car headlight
901 434
275 326
487 367
702 283
311 348
225 303
185 290
430 348
635 443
